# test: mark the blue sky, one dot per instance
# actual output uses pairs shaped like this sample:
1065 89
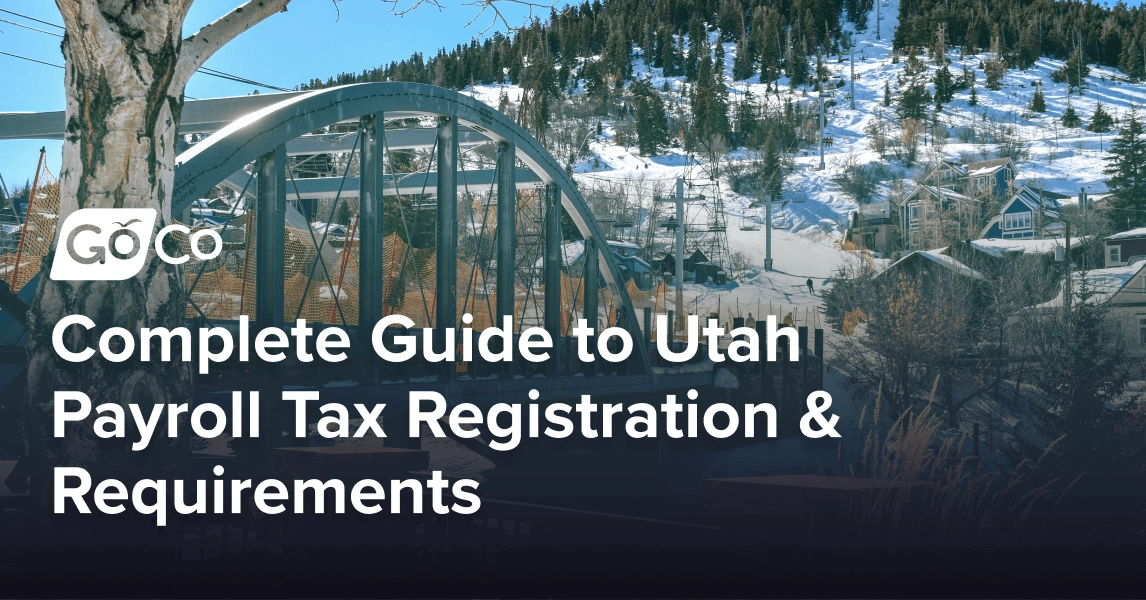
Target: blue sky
311 39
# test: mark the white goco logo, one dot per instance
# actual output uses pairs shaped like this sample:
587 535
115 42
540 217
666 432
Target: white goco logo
110 244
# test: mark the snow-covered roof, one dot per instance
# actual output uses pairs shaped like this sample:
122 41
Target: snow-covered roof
620 244
571 252
935 191
875 209
984 171
1138 232
999 248
1103 284
986 167
1031 197
337 228
936 256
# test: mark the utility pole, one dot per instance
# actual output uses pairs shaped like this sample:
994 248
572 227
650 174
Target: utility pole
768 234
821 130
678 277
852 54
878 18
1039 233
1067 295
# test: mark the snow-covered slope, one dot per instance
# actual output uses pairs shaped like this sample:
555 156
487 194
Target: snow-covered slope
806 235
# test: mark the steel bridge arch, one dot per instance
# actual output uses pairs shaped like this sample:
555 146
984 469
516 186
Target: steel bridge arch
265 133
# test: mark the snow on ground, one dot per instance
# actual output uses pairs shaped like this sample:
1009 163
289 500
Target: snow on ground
806 234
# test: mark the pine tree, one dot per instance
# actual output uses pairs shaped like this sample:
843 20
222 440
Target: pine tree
709 101
1069 117
652 123
747 121
1074 71
974 99
1081 376
970 41
720 89
1038 104
822 73
697 40
1027 51
730 20
773 171
1131 61
964 80
857 13
1126 168
796 63
669 61
1101 121
944 87
996 66
743 66
913 94
886 93
718 65
765 41
619 55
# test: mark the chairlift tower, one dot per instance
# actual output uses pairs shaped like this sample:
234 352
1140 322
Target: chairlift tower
713 237
772 199
852 57
822 130
678 278
878 19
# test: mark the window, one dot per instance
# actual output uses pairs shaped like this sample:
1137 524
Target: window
913 217
1017 220
1114 254
1142 330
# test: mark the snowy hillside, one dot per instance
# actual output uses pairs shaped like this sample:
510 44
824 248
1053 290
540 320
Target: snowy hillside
807 235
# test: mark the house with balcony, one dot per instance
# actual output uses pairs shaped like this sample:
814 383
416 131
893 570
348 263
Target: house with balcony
934 215
872 226
990 178
1030 213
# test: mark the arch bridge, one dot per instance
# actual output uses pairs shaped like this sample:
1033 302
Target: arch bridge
367 200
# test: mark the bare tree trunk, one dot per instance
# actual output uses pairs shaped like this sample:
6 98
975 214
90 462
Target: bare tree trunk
126 69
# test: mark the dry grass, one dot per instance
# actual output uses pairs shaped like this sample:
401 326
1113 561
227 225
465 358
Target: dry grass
943 491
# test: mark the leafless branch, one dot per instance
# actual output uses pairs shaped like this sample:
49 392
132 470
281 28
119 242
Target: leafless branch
208 40
483 6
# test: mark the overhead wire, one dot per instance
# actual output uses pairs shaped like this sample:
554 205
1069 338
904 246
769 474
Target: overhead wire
50 24
204 70
31 59
29 27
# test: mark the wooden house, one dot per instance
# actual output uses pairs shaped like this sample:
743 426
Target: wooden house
1029 213
931 214
1125 248
993 178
